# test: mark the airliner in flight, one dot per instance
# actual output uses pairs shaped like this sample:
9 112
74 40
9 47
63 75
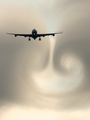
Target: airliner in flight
34 34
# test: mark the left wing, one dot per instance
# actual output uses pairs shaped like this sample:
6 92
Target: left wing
25 35
43 35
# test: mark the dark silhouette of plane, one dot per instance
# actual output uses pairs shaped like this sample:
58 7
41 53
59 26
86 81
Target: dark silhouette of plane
34 35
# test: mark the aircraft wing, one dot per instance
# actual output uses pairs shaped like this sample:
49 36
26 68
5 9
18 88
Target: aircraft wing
24 35
43 35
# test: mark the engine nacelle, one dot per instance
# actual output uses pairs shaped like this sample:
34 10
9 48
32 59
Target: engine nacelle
29 39
15 35
39 39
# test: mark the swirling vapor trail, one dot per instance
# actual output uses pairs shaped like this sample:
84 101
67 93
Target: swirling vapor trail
66 85
29 76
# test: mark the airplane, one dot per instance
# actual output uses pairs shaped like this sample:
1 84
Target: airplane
34 35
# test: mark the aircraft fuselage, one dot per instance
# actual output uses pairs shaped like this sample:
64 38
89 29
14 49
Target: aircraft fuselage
34 34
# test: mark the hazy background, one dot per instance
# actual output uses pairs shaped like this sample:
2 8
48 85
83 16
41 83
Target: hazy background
50 79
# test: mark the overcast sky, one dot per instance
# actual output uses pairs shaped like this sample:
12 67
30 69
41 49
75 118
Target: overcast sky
47 80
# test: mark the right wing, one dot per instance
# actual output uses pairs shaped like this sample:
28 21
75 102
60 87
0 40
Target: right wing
53 34
24 35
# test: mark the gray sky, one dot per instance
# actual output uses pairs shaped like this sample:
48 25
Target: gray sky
49 79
